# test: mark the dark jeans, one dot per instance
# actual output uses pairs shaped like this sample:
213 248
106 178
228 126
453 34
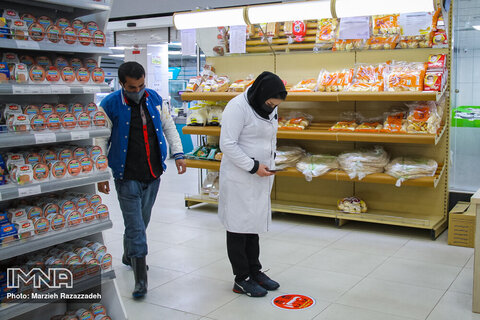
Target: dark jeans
243 251
136 201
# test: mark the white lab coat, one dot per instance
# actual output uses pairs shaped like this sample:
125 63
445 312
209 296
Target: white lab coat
244 199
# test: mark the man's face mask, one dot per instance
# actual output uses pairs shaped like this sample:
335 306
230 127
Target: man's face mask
135 96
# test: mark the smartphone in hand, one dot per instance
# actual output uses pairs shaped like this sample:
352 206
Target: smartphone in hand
275 170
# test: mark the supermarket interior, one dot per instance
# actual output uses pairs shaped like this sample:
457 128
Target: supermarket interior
228 160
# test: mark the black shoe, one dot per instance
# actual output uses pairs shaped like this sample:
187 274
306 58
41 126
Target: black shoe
126 261
250 288
267 283
139 267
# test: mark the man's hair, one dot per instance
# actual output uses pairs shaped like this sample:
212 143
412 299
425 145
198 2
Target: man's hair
130 69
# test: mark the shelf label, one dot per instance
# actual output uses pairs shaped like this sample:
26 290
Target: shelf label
29 191
37 89
60 89
80 135
45 138
30 45
91 89
18 89
354 28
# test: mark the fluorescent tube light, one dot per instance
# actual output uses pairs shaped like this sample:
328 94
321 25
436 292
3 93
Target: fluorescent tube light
355 8
306 10
476 27
209 18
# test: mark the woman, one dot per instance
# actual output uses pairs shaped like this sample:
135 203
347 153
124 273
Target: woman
248 142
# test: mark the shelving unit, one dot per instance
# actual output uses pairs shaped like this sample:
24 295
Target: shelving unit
86 10
419 203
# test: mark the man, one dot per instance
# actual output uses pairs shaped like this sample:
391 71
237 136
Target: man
136 153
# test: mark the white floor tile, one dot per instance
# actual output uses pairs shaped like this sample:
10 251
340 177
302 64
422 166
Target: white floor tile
344 261
435 253
430 275
470 262
209 240
464 282
454 305
392 298
193 294
283 251
340 312
322 285
137 310
314 235
183 259
261 308
371 243
171 233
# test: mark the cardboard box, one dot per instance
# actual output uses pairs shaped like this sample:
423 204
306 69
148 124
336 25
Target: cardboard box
461 225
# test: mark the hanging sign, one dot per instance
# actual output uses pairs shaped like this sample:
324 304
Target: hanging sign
238 39
188 42
354 28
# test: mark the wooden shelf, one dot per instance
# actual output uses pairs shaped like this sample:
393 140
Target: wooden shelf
326 96
320 132
338 175
330 211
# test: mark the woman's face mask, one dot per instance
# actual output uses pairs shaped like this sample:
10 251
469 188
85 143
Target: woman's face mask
267 108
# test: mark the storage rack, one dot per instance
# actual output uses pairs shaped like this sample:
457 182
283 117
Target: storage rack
89 10
419 203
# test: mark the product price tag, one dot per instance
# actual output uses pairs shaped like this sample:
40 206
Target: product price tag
354 28
18 89
30 45
37 89
189 39
91 90
80 135
29 191
238 39
60 89
45 138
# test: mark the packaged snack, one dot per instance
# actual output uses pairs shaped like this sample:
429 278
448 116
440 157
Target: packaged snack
66 205
299 30
10 15
74 168
91 108
403 76
46 109
316 165
54 34
84 37
56 220
288 156
58 169
8 233
4 30
434 81
21 73
68 121
62 23
326 30
94 150
76 63
308 85
288 30
78 24
36 32
22 174
250 31
48 155
79 152
395 123
410 168
101 162
50 208
348 126
382 42
18 123
352 205
99 119
102 211
105 260
91 63
40 172
99 38
25 229
98 309
69 35
83 120
61 108
385 24
83 75
73 218
88 214
52 74
65 154
98 76
423 118
38 122
76 107
19 30
14 159
368 78
28 18
43 61
27 60
94 199
92 26
16 214
33 158
214 116
437 62
295 121
359 164
68 75
193 84
273 28
37 74
45 22
241 85
4 72
349 45
33 212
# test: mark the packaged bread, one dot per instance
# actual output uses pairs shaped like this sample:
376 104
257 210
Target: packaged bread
68 75
295 121
349 44
273 28
368 78
54 34
316 165
386 24
241 85
346 126
308 85
406 76
12 108
58 169
403 168
69 35
84 37
62 23
359 164
37 74
287 156
36 32
423 118
40 172
326 30
395 122
52 75
98 76
369 126
19 30
99 38
45 22
38 122
352 205
21 73
16 214
382 42
14 159
193 84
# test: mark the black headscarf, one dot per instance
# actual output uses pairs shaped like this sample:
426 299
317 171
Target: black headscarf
266 86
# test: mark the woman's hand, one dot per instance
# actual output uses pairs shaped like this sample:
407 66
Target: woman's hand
263 171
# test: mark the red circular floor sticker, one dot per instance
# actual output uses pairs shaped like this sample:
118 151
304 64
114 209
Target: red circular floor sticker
293 301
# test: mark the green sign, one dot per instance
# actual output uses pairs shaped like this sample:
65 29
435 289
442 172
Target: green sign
466 116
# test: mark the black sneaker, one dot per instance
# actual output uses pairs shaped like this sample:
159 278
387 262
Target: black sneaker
267 283
250 288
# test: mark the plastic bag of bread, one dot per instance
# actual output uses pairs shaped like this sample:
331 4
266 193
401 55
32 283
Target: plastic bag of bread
383 42
286 156
369 78
308 85
406 76
348 122
241 85
295 121
359 164
423 118
316 165
369 124
193 84
273 29
403 168
394 122
326 31
221 84
214 117
386 24
352 205
349 44
197 117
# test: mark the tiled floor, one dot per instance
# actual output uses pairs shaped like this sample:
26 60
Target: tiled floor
357 272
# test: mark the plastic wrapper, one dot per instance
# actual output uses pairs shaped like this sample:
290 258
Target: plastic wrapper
334 81
352 205
326 31
387 24
209 182
197 117
299 30
295 121
423 118
394 122
406 76
273 28
369 124
308 85
316 165
241 85
382 42
369 78
349 44
435 80
403 168
287 157
359 164
214 116
348 122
